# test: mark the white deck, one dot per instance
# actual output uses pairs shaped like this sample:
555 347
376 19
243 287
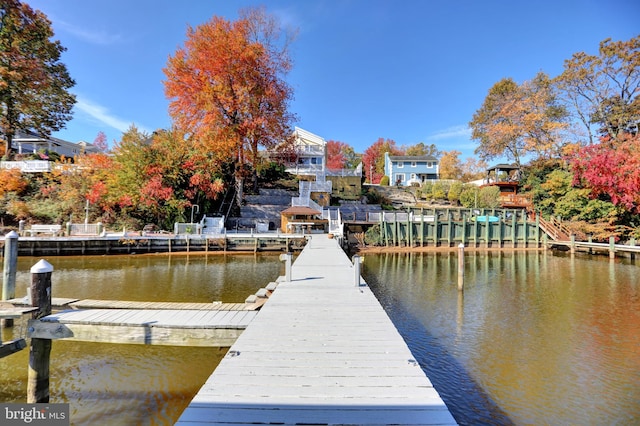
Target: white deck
321 351
184 327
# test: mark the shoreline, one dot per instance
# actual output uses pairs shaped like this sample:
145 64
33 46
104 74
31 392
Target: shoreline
438 249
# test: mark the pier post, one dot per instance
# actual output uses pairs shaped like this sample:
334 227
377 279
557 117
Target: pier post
632 243
612 247
39 349
9 271
573 243
357 260
461 267
286 257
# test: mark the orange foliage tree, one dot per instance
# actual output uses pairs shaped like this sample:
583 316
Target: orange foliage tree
11 180
226 88
516 120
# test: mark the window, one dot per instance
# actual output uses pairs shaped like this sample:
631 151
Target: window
429 164
413 176
414 164
400 164
399 178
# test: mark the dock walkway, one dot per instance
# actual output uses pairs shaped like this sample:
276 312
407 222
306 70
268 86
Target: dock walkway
179 327
321 351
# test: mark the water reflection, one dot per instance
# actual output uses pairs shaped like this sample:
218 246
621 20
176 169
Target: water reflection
117 384
534 339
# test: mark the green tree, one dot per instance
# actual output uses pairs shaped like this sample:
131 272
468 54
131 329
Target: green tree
454 192
489 197
34 83
420 149
438 191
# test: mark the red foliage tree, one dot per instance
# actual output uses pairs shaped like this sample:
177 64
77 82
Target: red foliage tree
373 158
611 170
336 158
100 142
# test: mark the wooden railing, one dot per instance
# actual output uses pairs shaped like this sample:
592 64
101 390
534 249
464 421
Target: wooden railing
558 231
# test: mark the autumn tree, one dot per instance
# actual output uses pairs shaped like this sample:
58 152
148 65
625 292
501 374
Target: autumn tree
336 158
373 158
100 142
602 90
450 166
473 169
34 83
341 155
421 149
227 91
516 120
611 171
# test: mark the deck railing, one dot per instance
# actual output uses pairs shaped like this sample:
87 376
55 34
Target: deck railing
28 166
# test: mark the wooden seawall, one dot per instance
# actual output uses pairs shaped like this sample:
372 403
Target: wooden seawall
94 245
320 351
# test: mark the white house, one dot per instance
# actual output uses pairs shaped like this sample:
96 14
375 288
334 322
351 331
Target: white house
31 143
310 153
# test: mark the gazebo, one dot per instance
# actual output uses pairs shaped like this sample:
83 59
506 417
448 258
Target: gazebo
301 219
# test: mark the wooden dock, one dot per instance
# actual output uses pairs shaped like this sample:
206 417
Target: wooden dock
321 351
587 246
176 327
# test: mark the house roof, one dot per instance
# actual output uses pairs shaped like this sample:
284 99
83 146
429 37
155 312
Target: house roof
305 137
300 210
503 166
412 158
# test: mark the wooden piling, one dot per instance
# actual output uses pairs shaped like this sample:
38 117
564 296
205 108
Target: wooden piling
356 270
461 267
9 271
40 349
612 247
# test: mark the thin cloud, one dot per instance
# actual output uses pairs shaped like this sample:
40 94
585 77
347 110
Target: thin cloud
102 37
461 131
102 114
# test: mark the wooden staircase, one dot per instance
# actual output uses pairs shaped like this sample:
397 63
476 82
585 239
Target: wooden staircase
558 231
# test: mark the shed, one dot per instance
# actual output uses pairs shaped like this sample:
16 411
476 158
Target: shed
302 218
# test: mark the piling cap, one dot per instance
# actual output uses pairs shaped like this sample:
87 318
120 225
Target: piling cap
460 246
12 234
41 267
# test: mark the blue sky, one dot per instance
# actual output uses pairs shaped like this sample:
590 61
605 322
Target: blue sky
408 70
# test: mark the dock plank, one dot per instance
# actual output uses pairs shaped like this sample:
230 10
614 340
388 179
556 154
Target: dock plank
321 351
143 326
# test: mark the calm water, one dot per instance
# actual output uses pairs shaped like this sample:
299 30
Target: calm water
111 384
535 339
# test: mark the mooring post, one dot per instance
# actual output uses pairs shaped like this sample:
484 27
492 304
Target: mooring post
9 271
461 267
356 269
572 238
287 257
612 247
40 349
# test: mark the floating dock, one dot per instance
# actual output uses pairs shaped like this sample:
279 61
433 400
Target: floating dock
320 351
